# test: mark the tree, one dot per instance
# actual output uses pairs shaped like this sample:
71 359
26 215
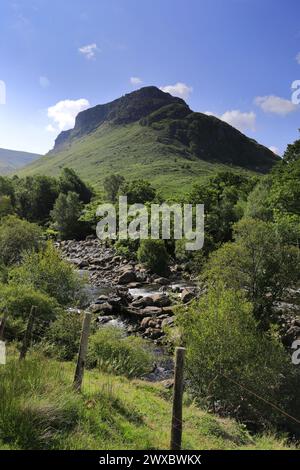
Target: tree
138 192
223 344
112 184
69 181
292 152
35 197
258 262
66 214
221 195
17 236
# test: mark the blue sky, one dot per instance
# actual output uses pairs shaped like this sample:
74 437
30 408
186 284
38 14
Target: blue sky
236 59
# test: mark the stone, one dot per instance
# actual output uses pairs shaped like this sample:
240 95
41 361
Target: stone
104 308
169 310
151 311
142 302
162 281
160 300
127 277
145 322
187 296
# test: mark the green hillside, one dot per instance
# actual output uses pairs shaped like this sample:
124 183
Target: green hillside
41 411
131 150
150 134
10 160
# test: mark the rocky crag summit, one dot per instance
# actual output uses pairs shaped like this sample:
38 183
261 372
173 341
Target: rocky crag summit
204 137
152 135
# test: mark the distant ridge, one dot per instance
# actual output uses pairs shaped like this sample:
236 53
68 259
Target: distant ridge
11 160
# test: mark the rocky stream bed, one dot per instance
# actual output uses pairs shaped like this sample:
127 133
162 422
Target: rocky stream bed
126 295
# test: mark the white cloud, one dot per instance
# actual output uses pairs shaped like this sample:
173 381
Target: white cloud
298 58
179 89
50 128
239 120
64 113
275 104
274 150
44 82
136 81
89 51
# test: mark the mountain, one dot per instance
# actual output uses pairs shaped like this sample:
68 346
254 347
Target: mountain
11 160
151 134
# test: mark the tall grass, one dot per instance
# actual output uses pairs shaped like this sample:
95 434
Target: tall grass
37 406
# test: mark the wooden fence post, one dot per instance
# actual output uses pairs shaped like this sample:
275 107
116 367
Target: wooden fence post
28 334
82 352
176 431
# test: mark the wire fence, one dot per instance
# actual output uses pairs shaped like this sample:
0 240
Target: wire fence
37 328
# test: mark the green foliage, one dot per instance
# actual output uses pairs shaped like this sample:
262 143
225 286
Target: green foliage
63 336
69 182
138 191
35 197
153 254
112 184
259 262
127 248
17 236
47 272
17 301
65 215
6 207
222 344
113 352
37 408
292 153
221 195
258 204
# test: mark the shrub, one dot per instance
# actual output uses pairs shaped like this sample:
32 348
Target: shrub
47 272
17 301
113 352
153 254
127 248
223 344
16 236
63 336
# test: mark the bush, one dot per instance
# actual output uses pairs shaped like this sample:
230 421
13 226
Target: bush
127 248
223 342
153 254
63 336
16 236
47 272
113 352
17 301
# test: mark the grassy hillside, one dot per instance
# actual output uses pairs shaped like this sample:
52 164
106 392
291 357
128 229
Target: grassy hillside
38 410
10 160
132 150
151 134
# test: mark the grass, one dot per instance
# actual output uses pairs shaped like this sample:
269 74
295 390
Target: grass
39 410
134 152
